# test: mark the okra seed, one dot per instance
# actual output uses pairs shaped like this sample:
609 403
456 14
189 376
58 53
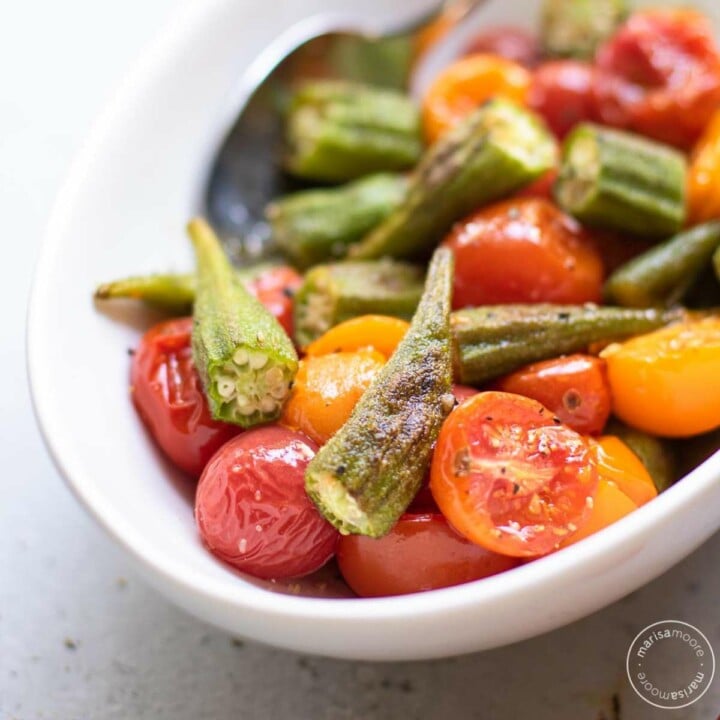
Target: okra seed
246 409
279 391
268 405
241 356
274 376
258 360
225 387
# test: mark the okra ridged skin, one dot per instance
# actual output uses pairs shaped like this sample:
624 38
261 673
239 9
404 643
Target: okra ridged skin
663 274
495 151
575 29
621 181
338 131
368 473
496 339
333 293
245 359
315 226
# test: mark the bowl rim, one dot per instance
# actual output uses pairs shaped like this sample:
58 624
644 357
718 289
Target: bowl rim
243 595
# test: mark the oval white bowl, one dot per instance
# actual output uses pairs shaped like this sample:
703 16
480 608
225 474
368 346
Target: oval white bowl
122 211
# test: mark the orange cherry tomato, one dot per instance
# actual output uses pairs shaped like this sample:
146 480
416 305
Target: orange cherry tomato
575 388
465 85
378 332
523 250
510 478
609 505
703 182
618 463
422 552
667 382
326 389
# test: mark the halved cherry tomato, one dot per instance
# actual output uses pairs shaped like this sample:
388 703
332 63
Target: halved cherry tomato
523 250
561 91
465 85
252 510
659 75
609 505
422 552
510 478
511 43
275 288
168 396
379 332
667 382
575 388
618 463
326 389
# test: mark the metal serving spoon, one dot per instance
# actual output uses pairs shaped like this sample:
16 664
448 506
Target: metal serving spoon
245 173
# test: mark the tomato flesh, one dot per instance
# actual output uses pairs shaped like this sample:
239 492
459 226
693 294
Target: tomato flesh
252 510
510 477
422 552
167 394
523 250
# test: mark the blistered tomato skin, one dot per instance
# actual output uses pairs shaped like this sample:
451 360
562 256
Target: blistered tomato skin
252 510
422 552
168 396
523 250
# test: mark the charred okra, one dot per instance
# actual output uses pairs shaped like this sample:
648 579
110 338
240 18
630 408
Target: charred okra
367 474
621 181
494 340
339 131
498 149
663 274
245 359
336 292
575 28
315 226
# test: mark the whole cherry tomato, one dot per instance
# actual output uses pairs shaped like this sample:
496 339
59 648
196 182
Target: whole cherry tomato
168 396
422 552
511 43
562 93
252 510
659 75
574 388
542 187
523 250
511 478
275 288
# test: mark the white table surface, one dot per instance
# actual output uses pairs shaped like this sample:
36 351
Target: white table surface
80 636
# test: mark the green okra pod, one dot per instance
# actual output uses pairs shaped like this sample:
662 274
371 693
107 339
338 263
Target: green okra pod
498 149
575 28
663 274
368 473
314 226
245 360
339 131
493 340
336 292
622 181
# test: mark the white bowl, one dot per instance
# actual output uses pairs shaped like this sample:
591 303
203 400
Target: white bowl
122 211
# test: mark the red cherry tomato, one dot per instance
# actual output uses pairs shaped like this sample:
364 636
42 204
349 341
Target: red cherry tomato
542 187
422 552
252 510
512 43
463 392
562 93
659 75
575 388
509 477
523 250
275 288
168 396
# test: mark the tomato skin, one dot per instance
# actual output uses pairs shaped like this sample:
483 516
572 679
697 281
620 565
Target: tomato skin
167 394
523 250
422 552
561 92
510 478
275 288
574 388
511 43
542 187
378 332
252 510
617 463
659 75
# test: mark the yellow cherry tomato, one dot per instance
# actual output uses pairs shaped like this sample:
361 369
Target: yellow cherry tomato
379 332
618 463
